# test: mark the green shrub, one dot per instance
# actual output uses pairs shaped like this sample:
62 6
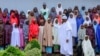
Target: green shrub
2 52
35 44
31 45
13 51
33 52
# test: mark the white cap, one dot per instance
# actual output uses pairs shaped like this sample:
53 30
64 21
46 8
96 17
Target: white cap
64 17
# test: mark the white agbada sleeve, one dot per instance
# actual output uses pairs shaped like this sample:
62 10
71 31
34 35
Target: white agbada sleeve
69 38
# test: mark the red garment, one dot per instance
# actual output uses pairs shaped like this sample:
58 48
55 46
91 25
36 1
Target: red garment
13 19
33 30
59 19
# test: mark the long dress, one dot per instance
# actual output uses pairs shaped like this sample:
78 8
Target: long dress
87 48
81 35
95 27
65 33
15 37
55 32
40 36
79 21
2 34
73 25
21 37
26 30
8 30
33 31
91 33
47 36
98 36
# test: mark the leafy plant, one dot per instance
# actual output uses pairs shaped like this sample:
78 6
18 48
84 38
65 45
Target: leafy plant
13 51
32 44
33 52
2 52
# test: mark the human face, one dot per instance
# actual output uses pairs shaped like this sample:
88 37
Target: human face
44 6
87 19
59 5
82 26
71 16
35 9
86 38
86 13
64 20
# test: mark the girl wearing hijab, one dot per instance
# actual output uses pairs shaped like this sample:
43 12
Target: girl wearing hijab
66 12
72 21
59 8
47 37
53 14
81 36
91 33
36 13
87 47
15 36
8 30
22 17
86 15
87 21
41 22
13 18
79 21
26 30
33 30
7 13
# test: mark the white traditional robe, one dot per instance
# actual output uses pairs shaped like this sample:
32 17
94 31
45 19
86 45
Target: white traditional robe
59 10
47 13
15 37
73 25
87 48
40 36
55 32
65 33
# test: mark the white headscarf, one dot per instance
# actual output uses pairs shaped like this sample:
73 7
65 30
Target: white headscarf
87 47
59 9
73 24
87 22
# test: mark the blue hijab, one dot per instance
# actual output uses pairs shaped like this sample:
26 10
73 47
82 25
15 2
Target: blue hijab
79 21
98 36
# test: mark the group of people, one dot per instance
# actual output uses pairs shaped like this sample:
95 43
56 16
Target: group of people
66 28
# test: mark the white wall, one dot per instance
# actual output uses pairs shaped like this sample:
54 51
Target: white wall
29 4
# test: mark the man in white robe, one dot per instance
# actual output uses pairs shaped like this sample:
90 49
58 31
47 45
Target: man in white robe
65 37
15 36
59 9
45 11
87 47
